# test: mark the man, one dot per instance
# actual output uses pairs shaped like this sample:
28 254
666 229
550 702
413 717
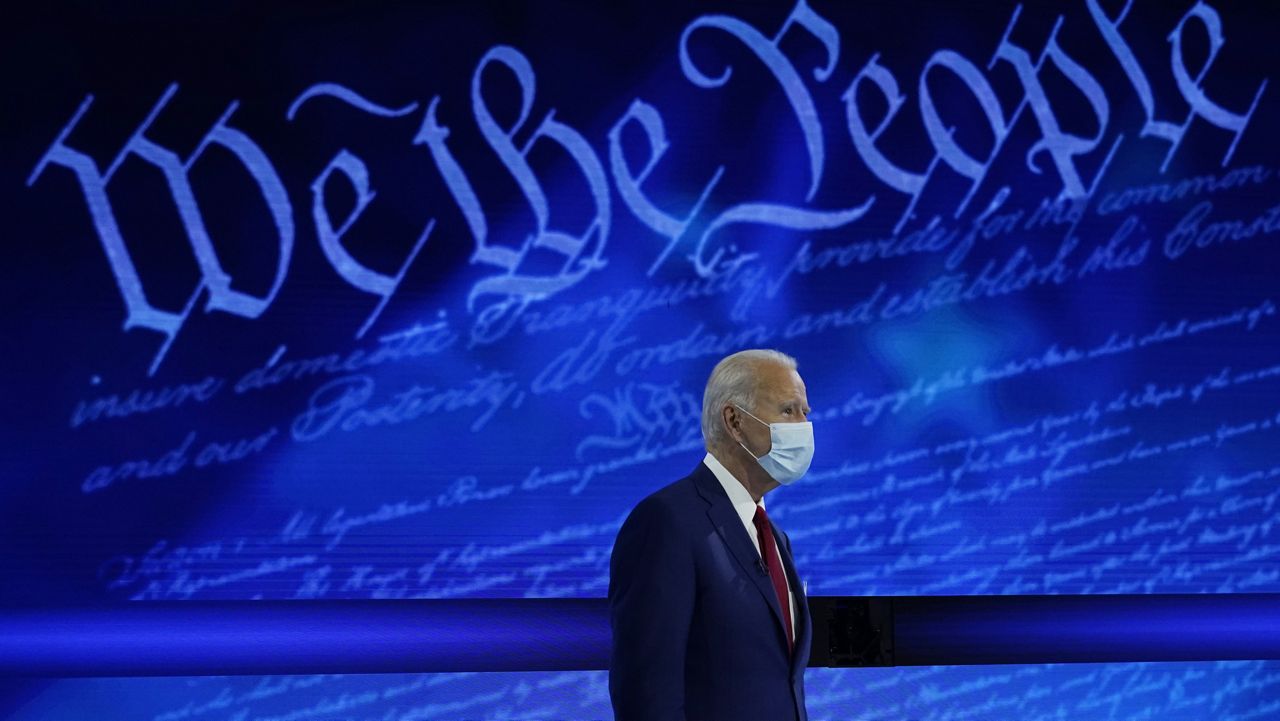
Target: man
710 621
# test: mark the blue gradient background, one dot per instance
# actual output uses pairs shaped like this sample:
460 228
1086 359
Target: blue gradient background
932 475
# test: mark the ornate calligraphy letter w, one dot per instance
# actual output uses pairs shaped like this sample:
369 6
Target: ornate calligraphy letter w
139 312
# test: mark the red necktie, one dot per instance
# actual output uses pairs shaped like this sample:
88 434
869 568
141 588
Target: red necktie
769 552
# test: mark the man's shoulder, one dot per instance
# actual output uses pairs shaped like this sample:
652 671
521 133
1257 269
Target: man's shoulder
670 503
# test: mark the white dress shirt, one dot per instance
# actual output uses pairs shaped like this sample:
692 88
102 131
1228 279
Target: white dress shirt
746 508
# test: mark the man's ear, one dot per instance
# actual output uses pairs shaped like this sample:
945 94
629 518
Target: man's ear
732 421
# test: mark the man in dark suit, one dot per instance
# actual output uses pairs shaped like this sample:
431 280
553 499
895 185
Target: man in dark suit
710 620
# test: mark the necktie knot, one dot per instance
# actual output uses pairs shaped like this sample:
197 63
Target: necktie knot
762 518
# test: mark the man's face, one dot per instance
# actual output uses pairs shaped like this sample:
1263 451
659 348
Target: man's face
780 398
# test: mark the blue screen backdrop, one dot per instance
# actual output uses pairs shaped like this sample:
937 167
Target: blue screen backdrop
416 300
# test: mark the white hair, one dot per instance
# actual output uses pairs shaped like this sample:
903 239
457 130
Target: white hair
734 380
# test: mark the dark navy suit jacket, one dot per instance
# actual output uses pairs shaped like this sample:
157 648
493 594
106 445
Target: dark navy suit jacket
697 628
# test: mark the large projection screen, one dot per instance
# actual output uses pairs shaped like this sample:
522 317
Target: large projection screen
352 300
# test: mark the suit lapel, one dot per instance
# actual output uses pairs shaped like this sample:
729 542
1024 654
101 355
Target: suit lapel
803 630
728 524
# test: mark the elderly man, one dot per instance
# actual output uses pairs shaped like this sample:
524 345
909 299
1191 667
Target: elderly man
709 617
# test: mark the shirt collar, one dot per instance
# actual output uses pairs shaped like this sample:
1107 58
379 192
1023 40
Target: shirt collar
738 496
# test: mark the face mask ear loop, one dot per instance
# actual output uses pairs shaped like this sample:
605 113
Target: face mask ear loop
744 410
757 420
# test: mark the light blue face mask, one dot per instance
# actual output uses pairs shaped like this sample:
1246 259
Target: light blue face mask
791 453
